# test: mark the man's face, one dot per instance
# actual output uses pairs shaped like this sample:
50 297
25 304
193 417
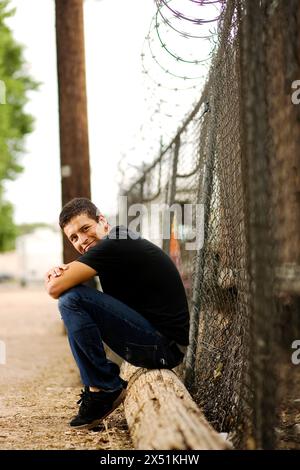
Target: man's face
84 233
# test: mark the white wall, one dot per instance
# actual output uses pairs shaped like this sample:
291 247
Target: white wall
35 254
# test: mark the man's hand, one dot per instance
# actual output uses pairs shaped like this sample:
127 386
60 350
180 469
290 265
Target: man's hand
61 278
56 271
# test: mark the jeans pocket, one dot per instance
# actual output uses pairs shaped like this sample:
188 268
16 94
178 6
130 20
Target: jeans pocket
153 356
141 355
173 355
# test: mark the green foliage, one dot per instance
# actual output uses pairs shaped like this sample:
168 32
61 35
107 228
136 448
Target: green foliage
15 124
8 230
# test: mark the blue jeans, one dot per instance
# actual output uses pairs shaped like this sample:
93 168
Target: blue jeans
91 316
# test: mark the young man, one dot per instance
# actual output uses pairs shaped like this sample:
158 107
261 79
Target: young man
142 313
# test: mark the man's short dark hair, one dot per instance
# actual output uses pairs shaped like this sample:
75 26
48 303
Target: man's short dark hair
78 206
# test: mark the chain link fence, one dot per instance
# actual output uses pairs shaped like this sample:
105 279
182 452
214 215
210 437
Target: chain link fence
232 174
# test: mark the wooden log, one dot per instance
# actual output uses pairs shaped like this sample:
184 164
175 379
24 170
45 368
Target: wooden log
162 415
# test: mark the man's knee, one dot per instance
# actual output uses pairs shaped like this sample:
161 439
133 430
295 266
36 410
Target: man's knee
69 298
70 311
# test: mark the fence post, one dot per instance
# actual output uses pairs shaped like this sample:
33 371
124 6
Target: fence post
200 256
171 195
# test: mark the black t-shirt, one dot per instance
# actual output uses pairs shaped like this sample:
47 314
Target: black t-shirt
141 275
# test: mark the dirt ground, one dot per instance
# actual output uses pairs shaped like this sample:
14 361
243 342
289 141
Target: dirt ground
39 383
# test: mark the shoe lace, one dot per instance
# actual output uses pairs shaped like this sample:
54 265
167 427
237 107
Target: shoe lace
84 400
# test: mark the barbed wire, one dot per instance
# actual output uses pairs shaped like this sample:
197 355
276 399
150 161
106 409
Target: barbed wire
197 21
173 80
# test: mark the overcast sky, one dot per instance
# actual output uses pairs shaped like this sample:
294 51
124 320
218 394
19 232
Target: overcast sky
128 113
114 34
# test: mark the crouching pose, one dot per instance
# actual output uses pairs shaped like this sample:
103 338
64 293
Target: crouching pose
142 313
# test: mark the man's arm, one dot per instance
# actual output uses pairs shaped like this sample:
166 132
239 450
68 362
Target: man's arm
77 273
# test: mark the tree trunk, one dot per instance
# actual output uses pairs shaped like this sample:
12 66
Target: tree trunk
161 414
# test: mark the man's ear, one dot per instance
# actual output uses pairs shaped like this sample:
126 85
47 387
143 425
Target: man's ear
102 219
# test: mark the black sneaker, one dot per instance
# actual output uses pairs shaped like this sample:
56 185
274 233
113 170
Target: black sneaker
95 406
